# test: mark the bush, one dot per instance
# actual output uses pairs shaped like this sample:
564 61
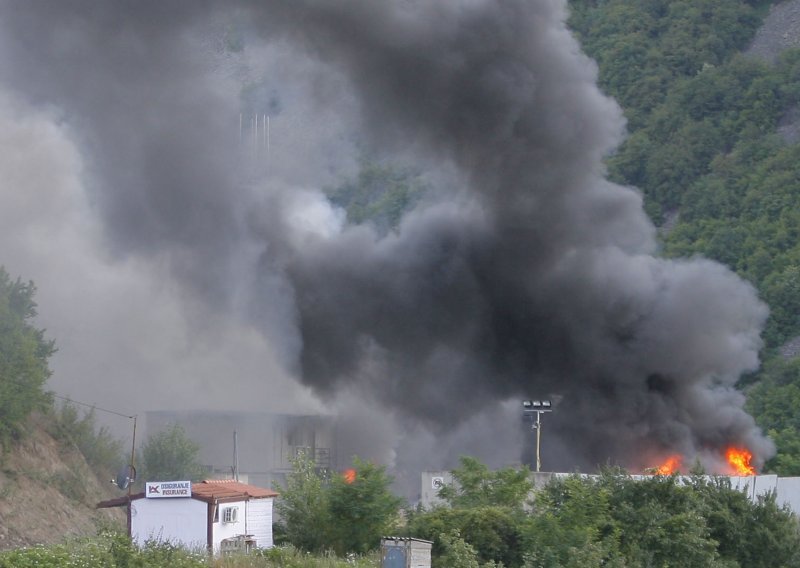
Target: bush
102 451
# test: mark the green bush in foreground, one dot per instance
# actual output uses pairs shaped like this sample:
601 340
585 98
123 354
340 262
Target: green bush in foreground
114 550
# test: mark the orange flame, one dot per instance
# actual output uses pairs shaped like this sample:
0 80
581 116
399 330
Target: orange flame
349 475
671 465
739 460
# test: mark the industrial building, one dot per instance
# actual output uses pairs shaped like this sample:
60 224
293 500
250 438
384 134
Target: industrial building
258 445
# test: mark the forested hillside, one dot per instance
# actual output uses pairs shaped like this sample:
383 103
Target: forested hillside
705 149
710 146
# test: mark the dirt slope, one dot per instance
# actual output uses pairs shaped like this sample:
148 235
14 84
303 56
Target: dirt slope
48 492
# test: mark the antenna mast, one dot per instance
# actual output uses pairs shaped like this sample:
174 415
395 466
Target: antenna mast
235 456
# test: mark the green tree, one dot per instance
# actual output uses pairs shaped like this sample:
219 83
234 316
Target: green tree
303 507
475 485
495 533
171 455
364 508
616 520
572 518
456 552
759 534
24 355
346 515
485 507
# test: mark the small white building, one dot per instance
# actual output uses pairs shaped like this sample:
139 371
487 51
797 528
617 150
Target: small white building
217 515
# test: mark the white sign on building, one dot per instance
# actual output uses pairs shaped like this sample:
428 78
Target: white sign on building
162 489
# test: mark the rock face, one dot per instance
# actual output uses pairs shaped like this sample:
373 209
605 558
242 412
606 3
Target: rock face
48 493
791 348
780 31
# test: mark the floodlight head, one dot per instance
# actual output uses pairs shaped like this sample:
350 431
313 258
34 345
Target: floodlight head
546 404
527 403
537 403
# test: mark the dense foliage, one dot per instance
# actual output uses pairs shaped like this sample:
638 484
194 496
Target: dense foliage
608 520
113 550
574 521
24 354
344 514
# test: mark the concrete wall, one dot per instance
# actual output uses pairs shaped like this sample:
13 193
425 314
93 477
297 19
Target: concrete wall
431 480
179 521
788 489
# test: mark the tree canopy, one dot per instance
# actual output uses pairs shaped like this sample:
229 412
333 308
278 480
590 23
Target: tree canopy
24 355
611 519
170 455
342 513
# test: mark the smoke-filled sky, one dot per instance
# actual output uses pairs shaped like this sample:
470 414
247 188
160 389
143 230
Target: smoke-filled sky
181 265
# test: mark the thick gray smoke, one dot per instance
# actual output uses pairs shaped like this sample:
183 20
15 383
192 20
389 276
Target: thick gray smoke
527 275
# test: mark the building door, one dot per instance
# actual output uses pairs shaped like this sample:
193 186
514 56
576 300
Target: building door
394 558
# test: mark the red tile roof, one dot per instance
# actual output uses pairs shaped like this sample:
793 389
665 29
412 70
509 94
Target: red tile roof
212 489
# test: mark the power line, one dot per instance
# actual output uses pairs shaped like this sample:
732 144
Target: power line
86 404
54 395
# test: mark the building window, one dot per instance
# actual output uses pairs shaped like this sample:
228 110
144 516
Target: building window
230 515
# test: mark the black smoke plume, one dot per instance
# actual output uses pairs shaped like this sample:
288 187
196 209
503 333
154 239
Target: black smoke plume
527 274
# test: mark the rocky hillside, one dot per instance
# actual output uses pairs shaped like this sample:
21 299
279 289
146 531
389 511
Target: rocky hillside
48 492
780 31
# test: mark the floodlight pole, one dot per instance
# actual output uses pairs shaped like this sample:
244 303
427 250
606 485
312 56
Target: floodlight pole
539 407
538 441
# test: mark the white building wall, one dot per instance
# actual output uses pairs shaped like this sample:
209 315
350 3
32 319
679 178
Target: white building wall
259 521
754 485
179 521
788 493
222 530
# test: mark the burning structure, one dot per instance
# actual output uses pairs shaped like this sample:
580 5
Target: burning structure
524 272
